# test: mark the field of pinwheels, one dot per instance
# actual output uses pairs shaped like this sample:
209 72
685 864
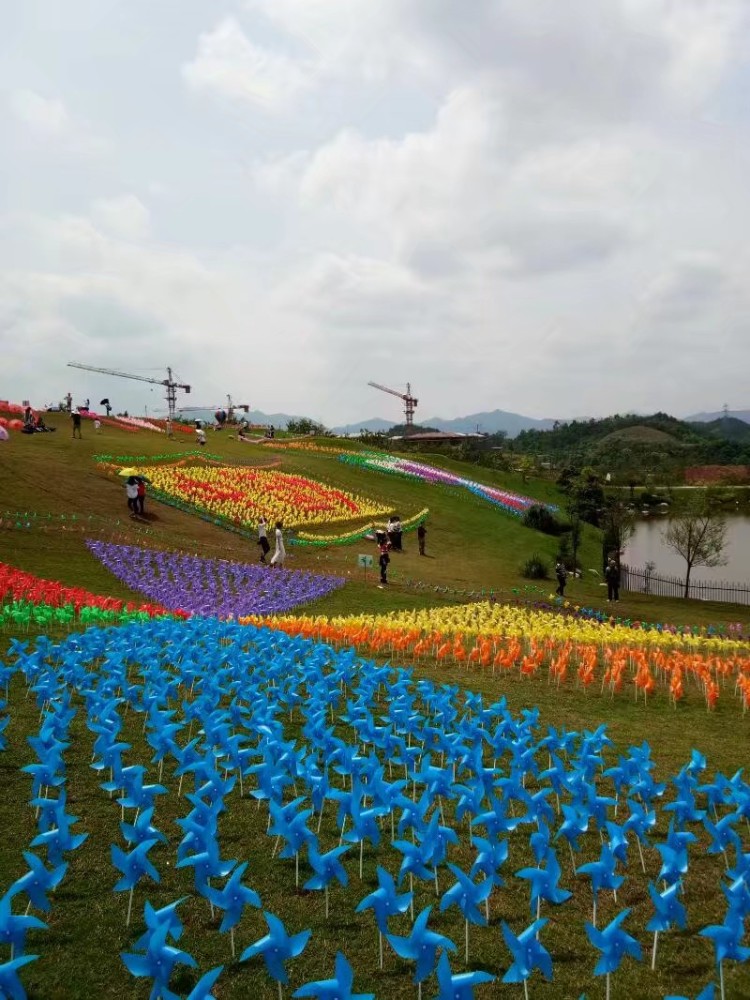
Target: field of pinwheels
221 780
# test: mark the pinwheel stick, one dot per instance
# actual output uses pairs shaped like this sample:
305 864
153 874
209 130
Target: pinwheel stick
130 905
721 980
466 935
326 891
231 938
526 989
653 951
609 976
380 948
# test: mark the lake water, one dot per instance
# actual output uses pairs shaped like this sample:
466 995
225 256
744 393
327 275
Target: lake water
647 545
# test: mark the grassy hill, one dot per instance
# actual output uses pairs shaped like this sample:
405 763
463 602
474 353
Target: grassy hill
471 546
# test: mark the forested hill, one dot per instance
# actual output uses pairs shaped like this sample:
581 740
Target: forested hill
632 440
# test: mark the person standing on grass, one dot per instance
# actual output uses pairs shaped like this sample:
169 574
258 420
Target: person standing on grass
263 539
562 576
383 557
140 499
76 418
421 536
131 492
279 555
612 574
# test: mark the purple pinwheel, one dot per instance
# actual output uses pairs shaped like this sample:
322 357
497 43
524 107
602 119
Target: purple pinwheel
38 881
602 874
158 961
528 954
421 946
339 988
467 895
211 586
545 883
13 928
277 948
233 899
327 867
385 902
460 987
10 984
668 911
614 944
133 867
727 939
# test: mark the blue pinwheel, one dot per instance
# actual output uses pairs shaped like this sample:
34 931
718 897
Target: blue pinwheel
385 902
528 954
668 911
206 864
10 983
142 829
327 867
159 960
133 867
339 988
14 927
58 838
545 883
38 881
233 899
277 948
467 895
614 944
727 939
461 986
602 874
202 989
154 918
707 993
421 946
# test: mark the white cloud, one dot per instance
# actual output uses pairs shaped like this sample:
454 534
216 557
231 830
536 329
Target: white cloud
124 215
46 117
230 65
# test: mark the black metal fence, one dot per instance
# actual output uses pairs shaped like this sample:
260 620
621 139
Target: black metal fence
644 581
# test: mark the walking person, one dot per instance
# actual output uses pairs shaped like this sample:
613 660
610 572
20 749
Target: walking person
421 536
76 418
398 534
383 558
131 492
562 577
140 500
279 555
612 574
263 539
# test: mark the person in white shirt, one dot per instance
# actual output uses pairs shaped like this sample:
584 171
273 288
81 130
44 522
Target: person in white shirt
263 539
131 491
279 554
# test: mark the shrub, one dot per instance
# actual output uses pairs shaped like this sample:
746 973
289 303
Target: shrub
542 519
535 569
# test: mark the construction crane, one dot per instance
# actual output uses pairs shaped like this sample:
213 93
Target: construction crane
168 382
410 403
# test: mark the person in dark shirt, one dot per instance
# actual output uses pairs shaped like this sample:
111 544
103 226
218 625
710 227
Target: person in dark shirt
421 536
612 574
76 418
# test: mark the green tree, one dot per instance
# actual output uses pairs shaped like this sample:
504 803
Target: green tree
306 426
617 525
700 537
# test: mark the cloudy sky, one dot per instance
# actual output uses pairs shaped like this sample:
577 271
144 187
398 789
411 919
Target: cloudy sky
532 205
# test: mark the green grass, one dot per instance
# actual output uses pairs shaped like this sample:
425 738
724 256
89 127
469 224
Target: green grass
471 546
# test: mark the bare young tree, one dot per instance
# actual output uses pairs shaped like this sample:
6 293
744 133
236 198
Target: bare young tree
698 536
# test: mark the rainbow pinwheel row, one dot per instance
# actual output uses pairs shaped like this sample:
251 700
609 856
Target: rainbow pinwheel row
381 809
211 586
530 643
512 503
242 495
17 585
26 616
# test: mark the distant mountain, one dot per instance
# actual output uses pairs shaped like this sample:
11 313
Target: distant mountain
279 420
707 418
489 423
